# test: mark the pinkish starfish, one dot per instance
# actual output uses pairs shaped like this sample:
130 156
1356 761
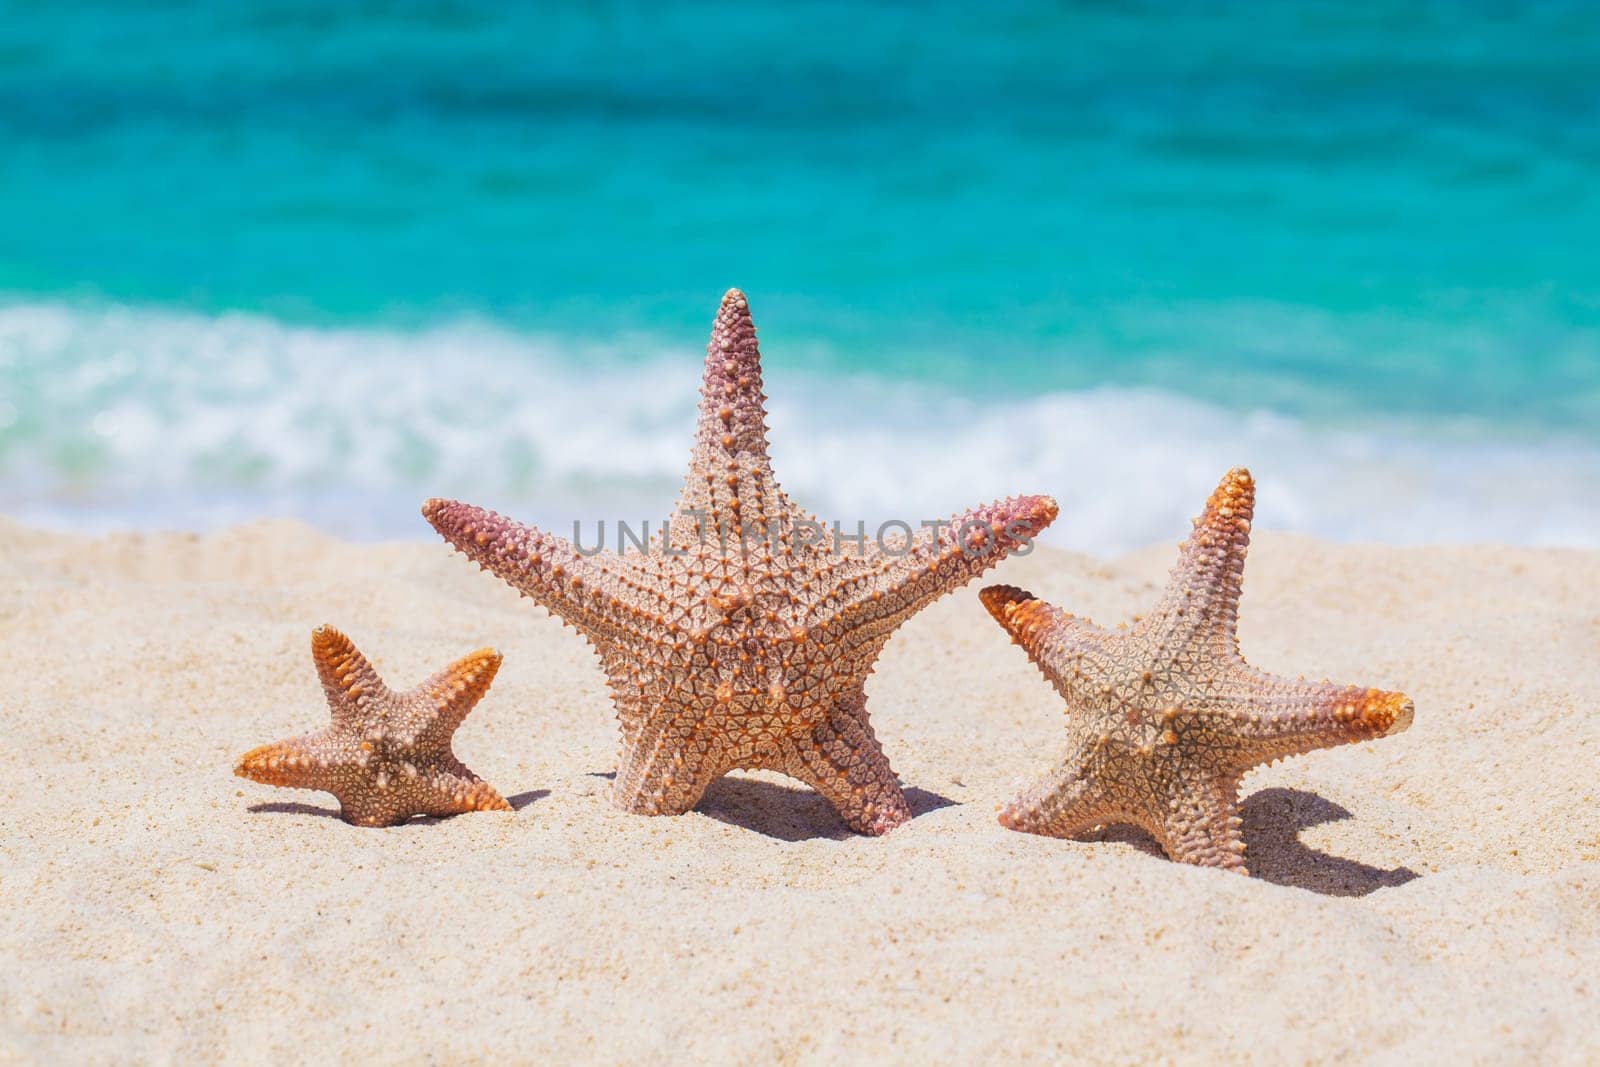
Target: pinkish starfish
753 656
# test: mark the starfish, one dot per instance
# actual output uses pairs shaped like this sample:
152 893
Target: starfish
742 634
387 755
1165 718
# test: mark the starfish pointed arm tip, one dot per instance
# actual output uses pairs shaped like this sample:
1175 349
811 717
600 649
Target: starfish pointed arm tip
1026 518
456 690
1021 518
1047 816
1022 615
732 422
347 675
1000 599
1400 711
283 763
1227 514
487 658
1204 586
1005 526
473 794
883 822
947 555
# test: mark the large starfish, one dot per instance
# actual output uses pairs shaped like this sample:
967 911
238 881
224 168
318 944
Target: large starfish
725 652
1165 718
387 755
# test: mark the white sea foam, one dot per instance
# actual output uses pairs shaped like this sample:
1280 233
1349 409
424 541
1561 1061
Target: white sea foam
131 417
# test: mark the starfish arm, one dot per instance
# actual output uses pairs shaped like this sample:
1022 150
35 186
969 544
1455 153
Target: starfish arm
1271 717
666 763
1057 642
730 481
448 696
348 679
842 759
1202 595
297 762
391 795
451 789
540 565
1201 824
1064 803
940 559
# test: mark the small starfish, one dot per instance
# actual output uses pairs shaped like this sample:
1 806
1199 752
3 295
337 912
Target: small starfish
729 652
1166 717
387 755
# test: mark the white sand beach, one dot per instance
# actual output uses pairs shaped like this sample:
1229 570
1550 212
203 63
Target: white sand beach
1433 896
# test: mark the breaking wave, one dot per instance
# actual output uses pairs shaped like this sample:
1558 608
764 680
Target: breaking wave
118 417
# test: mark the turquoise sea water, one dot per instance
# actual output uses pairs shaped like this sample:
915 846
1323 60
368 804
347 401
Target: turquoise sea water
297 257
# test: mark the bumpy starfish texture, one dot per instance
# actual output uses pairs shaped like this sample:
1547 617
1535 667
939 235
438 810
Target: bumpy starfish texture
1165 718
741 636
387 755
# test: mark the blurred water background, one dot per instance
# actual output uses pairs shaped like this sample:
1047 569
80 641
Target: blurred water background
327 260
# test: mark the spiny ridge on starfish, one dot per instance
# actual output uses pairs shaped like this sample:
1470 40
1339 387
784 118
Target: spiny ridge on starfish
742 635
1165 718
387 755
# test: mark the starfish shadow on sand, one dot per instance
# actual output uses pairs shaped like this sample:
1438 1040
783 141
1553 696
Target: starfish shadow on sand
1273 820
791 813
787 813
291 807
523 800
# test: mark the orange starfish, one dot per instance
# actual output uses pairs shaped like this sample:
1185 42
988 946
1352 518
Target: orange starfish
1165 718
387 755
742 637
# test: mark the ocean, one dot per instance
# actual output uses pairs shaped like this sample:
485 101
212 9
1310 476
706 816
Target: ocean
327 261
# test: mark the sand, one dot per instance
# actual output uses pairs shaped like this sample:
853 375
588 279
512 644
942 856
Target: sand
1432 895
